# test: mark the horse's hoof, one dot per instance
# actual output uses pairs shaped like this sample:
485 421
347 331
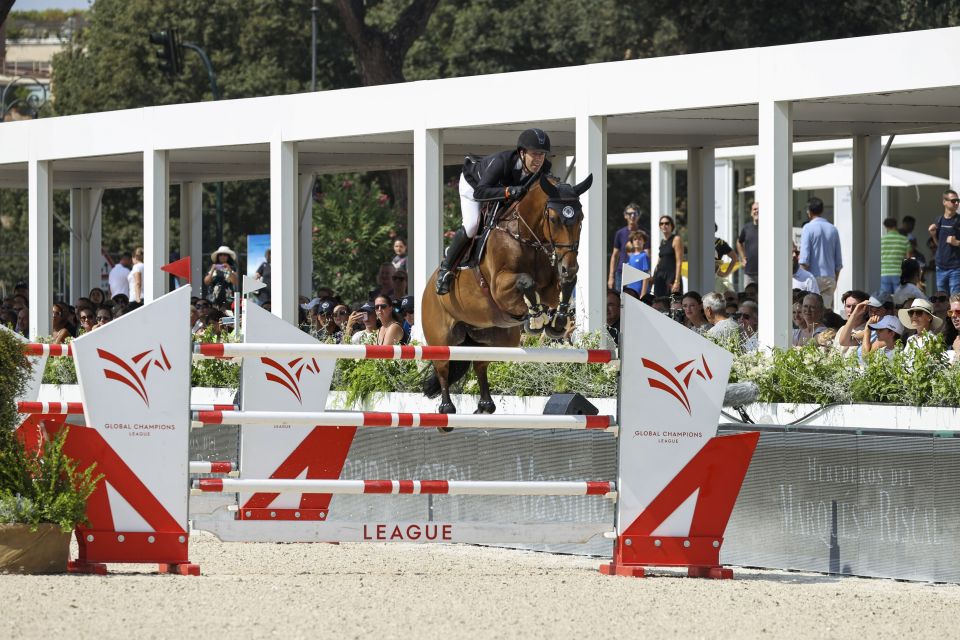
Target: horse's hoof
486 406
533 328
447 407
444 429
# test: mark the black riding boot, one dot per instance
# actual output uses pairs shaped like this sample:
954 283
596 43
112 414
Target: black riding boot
450 259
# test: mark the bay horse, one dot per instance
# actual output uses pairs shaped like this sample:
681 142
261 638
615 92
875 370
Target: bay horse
527 274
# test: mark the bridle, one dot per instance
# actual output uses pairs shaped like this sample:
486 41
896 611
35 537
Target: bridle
549 248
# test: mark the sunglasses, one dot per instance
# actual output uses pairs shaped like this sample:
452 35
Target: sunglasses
203 306
665 223
104 319
378 307
342 312
86 319
398 278
939 298
952 200
915 312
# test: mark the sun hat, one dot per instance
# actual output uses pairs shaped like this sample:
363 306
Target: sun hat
921 305
224 249
889 322
310 305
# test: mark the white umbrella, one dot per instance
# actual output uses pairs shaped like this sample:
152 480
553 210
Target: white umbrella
840 174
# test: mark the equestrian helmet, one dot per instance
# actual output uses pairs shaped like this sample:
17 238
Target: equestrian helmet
534 140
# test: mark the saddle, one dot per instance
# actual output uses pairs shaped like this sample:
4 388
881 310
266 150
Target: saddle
488 220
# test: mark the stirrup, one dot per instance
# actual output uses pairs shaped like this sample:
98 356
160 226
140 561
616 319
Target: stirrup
444 281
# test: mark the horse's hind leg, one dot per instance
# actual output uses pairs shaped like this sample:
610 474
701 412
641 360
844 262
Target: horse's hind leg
486 404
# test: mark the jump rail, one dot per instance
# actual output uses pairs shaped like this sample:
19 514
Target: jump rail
413 487
388 352
76 408
385 419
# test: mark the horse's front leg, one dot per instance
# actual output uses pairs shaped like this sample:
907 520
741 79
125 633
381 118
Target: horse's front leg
442 369
486 404
557 327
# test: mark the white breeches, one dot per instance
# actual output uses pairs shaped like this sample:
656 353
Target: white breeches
469 208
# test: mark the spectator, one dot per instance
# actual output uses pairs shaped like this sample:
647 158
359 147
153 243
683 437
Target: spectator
326 327
120 304
810 320
384 281
662 304
613 314
894 249
803 280
88 319
855 331
341 315
203 313
820 251
391 325
263 275
749 319
60 319
885 333
399 280
97 296
941 304
909 279
748 245
750 291
118 276
638 258
953 334
722 268
194 318
104 315
23 322
692 305
367 319
407 311
21 289
135 277
222 276
618 257
850 299
919 317
400 255
945 233
666 277
724 327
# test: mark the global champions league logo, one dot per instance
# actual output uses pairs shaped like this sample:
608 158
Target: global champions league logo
133 374
288 375
677 383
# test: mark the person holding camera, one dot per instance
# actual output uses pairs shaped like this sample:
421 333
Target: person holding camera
362 326
222 276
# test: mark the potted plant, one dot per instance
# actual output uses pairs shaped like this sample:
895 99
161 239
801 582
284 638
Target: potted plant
42 493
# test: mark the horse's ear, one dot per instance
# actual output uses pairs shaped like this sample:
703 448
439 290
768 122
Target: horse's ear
583 186
548 187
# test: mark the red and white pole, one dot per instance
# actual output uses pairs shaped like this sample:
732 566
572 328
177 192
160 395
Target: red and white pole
415 487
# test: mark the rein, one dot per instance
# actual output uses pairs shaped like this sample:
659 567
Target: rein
549 249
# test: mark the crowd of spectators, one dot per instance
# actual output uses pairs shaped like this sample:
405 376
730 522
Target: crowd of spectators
917 298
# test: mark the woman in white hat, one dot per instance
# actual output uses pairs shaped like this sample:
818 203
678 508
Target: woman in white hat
919 317
222 276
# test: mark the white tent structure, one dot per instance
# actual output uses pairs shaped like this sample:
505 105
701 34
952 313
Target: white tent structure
857 88
840 174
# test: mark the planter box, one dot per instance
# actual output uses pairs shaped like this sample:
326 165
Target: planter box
857 416
45 550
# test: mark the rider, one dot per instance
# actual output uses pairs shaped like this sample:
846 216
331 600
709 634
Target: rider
501 175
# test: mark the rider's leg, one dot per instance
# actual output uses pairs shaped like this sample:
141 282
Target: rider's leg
470 209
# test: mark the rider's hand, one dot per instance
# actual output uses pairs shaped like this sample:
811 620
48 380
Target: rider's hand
515 193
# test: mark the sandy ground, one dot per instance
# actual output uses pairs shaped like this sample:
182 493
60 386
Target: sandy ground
457 591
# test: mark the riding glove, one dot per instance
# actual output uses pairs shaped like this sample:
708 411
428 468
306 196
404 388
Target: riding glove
515 193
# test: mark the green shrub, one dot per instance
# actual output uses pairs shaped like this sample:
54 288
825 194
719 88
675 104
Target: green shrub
212 372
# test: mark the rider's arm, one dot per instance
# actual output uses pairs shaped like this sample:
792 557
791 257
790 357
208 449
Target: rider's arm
490 185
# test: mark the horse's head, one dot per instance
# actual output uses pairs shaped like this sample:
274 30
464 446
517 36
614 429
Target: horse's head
561 224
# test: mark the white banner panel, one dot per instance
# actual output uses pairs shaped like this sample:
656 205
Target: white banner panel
279 383
134 376
671 392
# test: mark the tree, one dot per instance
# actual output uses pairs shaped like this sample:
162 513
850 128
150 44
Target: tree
5 6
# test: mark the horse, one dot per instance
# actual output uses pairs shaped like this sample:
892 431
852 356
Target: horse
525 279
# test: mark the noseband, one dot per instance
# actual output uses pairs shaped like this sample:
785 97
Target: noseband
549 248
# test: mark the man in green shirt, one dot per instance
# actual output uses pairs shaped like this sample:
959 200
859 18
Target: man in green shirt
894 249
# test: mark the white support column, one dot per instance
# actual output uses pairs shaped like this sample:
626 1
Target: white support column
591 141
867 220
662 198
156 223
191 231
92 230
700 217
775 192
305 251
411 222
843 219
284 227
79 251
40 241
428 211
954 177
723 200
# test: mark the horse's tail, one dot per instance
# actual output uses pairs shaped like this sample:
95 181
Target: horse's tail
458 369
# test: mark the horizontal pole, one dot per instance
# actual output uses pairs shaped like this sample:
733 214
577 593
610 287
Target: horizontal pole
412 487
45 349
76 408
197 466
389 352
385 419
